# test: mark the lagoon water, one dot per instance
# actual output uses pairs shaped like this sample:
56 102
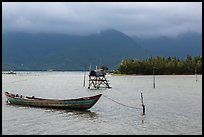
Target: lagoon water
174 107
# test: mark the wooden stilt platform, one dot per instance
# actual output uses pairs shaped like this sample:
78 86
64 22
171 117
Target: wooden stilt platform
97 79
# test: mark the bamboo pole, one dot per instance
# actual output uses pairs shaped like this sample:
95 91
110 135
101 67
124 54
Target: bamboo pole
143 106
154 84
84 76
196 74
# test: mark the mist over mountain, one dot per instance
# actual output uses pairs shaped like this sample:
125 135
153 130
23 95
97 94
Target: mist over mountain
25 51
185 44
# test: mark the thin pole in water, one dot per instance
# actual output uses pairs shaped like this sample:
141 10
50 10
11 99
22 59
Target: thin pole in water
84 76
143 106
196 75
153 78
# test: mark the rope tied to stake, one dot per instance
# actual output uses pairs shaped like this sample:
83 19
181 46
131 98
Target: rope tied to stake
121 103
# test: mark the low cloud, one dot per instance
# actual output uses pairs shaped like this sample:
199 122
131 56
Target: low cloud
84 18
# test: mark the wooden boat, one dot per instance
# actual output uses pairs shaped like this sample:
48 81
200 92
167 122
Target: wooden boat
79 103
10 72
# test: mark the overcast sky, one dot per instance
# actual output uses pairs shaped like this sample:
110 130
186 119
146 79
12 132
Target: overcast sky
131 18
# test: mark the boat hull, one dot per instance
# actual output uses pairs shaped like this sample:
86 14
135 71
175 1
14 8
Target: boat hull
80 103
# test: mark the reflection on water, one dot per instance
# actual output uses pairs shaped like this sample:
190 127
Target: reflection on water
81 113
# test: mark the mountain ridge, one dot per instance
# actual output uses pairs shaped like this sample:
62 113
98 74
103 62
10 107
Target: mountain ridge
24 51
65 52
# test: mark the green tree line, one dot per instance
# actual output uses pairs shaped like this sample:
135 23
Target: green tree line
161 66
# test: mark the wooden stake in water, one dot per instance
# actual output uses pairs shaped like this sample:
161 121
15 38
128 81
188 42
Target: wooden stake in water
196 74
153 78
84 76
143 106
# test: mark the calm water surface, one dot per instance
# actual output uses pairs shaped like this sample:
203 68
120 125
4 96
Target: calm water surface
173 107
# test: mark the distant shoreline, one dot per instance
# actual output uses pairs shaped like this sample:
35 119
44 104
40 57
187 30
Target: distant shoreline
148 74
109 73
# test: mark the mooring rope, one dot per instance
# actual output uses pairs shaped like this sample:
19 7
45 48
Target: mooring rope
121 103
